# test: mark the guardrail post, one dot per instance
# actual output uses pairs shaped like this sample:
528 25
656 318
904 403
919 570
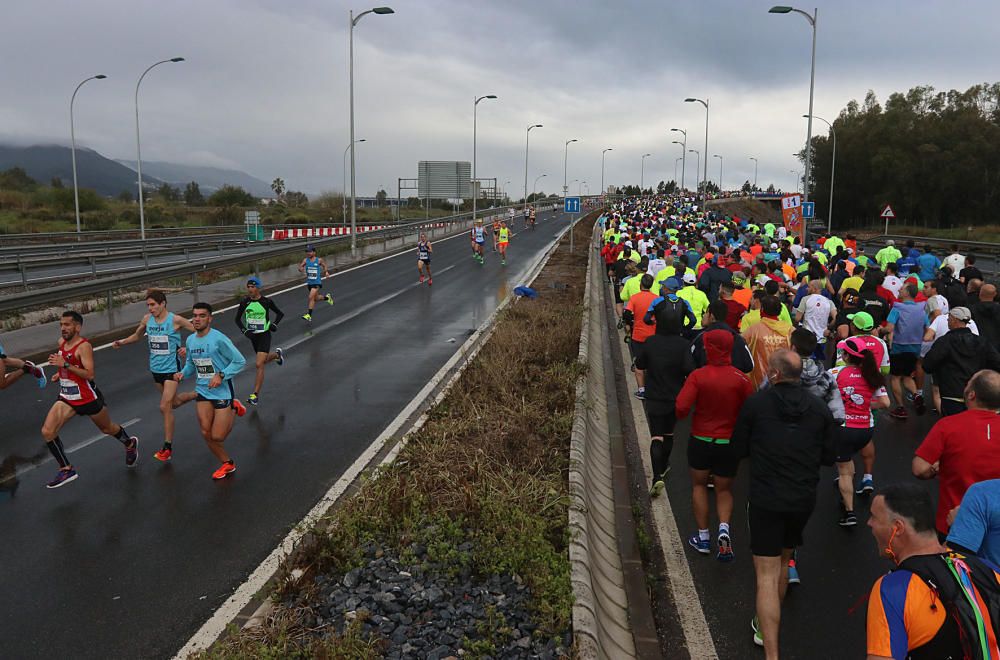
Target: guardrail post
187 255
145 257
111 314
256 270
194 286
93 266
24 275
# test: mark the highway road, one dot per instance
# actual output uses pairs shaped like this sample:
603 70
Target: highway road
129 563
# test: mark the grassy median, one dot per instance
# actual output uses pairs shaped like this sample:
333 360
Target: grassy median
478 496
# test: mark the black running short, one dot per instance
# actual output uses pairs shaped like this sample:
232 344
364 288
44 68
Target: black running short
636 348
160 379
220 404
88 409
851 441
261 341
718 459
774 531
902 364
314 286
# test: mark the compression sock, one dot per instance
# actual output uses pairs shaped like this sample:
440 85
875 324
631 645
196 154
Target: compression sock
668 447
658 456
123 437
58 452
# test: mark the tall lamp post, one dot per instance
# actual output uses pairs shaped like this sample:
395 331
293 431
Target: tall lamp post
72 139
475 189
138 151
697 162
720 170
798 178
565 166
535 187
754 172
526 136
346 149
833 170
354 199
602 167
684 146
704 103
579 188
642 172
783 9
676 161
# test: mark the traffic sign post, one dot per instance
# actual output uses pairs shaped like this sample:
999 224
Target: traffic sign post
808 210
887 213
571 205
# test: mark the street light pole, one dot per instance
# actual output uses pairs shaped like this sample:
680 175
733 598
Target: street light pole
354 200
475 190
684 146
344 205
138 151
833 170
602 167
704 103
526 136
565 165
697 162
579 188
798 178
72 138
676 160
720 170
642 172
754 173
535 187
782 9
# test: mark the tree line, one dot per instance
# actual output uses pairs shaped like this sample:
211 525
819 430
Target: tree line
933 156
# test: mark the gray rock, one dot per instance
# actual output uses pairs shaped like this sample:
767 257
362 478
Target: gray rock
352 578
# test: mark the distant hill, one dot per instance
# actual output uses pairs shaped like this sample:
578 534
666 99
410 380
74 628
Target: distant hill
43 162
209 179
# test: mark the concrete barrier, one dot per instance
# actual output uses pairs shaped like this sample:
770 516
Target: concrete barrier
600 609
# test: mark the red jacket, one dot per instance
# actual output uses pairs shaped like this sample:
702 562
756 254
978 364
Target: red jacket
716 391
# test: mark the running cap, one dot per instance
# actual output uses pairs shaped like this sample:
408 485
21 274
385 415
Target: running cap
671 283
254 280
890 242
862 320
774 246
960 314
689 278
310 248
739 279
763 279
854 346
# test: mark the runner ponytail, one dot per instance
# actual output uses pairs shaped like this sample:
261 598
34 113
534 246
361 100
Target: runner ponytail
869 368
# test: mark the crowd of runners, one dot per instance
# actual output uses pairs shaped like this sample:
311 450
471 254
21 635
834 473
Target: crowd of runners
782 352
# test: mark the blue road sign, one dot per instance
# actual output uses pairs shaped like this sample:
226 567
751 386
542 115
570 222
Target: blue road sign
572 205
808 209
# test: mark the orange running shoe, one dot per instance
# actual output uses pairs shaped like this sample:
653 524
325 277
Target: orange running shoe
164 454
239 408
224 470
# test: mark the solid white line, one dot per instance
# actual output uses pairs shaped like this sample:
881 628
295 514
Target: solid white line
71 450
230 609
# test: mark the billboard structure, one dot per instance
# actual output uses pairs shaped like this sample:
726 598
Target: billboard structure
444 179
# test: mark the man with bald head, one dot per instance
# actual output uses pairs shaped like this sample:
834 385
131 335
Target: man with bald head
788 434
986 314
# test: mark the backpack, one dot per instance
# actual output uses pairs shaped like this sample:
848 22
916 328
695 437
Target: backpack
956 578
670 314
953 291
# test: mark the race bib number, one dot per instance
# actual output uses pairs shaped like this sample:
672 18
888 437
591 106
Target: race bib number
159 345
256 325
69 390
312 272
204 367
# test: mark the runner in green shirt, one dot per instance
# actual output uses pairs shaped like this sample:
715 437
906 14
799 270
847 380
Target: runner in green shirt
253 318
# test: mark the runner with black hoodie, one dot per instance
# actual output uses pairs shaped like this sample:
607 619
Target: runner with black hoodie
740 358
788 434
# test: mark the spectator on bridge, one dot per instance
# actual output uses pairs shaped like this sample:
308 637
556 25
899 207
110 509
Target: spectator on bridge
928 264
975 524
962 449
970 272
986 314
888 254
909 618
788 434
955 357
955 260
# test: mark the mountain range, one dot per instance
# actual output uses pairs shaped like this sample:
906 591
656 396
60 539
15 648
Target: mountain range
110 177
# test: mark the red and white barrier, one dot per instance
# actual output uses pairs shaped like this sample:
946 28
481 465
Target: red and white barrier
319 232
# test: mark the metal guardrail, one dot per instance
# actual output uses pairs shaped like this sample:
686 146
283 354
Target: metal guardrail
23 250
104 285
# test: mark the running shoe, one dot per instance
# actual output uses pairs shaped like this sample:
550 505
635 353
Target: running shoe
421 279
224 470
725 553
329 299
429 281
503 262
164 454
899 412
307 317
758 638
63 477
640 394
848 519
793 573
699 544
909 396
253 399
657 488
919 405
239 408
866 488
38 372
281 356
132 453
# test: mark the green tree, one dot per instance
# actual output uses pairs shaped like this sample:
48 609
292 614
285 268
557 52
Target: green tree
56 182
295 199
17 179
126 196
192 195
168 193
380 198
229 195
278 186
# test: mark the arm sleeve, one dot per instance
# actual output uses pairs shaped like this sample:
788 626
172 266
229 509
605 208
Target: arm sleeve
740 439
687 396
742 358
886 626
972 521
935 356
278 314
833 399
238 319
236 359
689 317
932 447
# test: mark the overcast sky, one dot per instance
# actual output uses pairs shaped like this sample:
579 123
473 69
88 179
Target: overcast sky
265 85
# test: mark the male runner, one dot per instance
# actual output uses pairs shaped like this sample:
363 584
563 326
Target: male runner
78 395
478 236
315 270
496 232
527 216
253 320
531 218
163 333
504 241
20 367
215 360
424 251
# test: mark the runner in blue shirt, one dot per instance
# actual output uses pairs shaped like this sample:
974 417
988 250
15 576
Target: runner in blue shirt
315 270
20 367
163 333
215 360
